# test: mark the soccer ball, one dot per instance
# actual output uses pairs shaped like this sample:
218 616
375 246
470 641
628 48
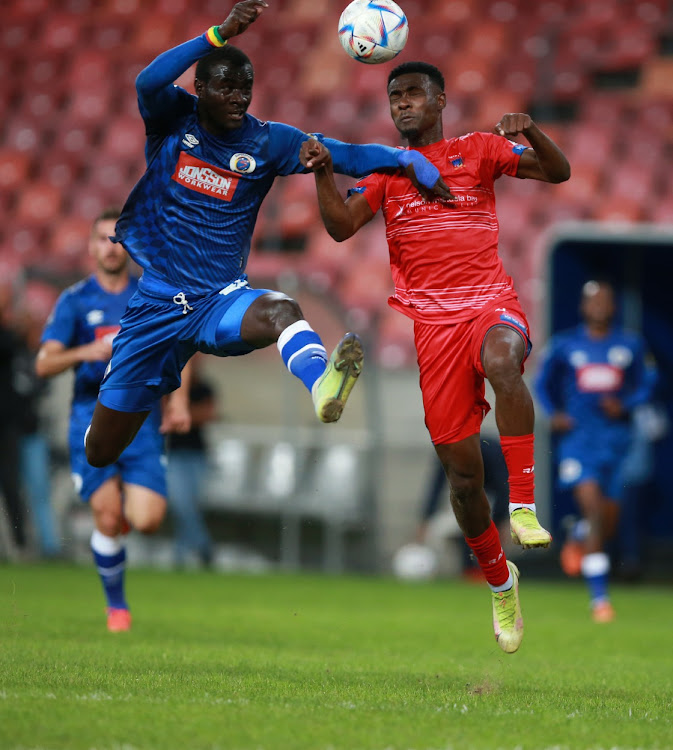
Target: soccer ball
415 562
373 31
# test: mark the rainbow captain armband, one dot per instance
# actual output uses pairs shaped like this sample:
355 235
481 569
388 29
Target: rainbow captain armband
214 37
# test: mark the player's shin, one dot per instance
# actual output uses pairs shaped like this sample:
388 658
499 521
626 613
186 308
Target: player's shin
109 555
491 558
303 352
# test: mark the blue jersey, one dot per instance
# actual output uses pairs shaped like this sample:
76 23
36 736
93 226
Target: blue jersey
191 216
84 313
578 371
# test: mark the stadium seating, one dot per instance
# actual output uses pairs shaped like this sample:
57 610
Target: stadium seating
596 73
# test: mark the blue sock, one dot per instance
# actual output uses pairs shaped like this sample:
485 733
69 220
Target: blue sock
303 352
109 555
595 569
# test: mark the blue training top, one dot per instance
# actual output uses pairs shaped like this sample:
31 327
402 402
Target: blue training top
84 313
578 371
190 218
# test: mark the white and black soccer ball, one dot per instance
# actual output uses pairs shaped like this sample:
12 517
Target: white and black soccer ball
415 562
373 31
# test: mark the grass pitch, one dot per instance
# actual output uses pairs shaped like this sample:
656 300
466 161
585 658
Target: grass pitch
306 662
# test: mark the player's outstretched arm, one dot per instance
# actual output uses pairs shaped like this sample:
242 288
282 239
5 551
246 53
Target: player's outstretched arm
544 160
54 358
156 93
342 219
357 160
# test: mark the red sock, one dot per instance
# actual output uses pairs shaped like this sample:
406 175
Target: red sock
519 456
488 551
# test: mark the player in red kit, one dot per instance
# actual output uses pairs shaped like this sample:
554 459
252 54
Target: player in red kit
468 324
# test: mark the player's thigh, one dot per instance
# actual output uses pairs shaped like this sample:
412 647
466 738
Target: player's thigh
501 339
111 431
222 328
267 317
452 390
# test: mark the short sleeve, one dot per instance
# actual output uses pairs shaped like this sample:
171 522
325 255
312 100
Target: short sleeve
373 189
284 144
502 154
61 324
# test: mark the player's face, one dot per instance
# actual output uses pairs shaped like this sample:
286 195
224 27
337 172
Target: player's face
598 305
110 257
416 103
225 97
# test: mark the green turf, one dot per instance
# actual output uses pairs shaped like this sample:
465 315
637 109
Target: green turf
295 662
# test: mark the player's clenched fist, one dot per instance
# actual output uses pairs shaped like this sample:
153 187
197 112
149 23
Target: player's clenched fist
241 16
513 124
314 155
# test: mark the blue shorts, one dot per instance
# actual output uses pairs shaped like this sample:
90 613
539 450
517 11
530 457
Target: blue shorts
161 329
584 459
142 463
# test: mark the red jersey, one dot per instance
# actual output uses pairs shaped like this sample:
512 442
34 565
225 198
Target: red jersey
444 256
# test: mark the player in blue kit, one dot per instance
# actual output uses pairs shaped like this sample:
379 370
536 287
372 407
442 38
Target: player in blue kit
188 223
78 335
591 379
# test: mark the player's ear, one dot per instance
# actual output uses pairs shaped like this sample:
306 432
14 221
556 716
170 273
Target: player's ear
441 100
198 86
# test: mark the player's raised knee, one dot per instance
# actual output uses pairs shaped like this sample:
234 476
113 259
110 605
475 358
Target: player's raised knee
98 454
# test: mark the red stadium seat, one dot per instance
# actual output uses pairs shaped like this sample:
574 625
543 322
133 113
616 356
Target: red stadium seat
149 34
124 137
89 106
25 242
88 68
69 240
59 169
62 32
395 347
39 203
365 290
14 168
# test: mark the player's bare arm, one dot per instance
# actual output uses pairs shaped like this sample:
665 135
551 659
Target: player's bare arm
342 219
544 160
241 16
313 155
176 415
53 358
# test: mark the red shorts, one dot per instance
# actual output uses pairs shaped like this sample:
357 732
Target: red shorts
452 374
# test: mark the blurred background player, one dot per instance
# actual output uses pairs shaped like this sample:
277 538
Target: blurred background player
187 471
591 379
189 222
468 324
35 464
10 423
130 492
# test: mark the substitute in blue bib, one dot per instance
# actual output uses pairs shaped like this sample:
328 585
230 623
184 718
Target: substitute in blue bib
129 493
591 379
188 223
